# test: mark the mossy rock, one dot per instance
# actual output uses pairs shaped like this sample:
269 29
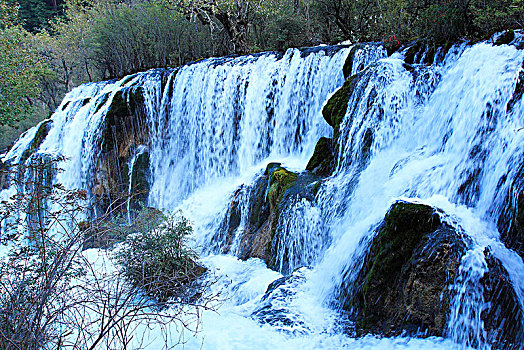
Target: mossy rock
403 284
348 64
281 180
511 218
40 135
404 227
336 107
272 167
322 163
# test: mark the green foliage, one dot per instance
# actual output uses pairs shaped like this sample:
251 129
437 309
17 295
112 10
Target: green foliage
36 14
158 260
493 16
20 69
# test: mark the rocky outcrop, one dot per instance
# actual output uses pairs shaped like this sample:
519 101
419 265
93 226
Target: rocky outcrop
336 107
264 212
322 163
40 135
503 319
404 283
364 50
254 211
123 144
511 219
426 52
4 175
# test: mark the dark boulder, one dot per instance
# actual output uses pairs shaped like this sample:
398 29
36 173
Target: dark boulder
322 163
254 213
505 38
503 319
403 284
511 219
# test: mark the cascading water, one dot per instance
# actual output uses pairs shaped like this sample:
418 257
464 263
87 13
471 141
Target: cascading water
448 135
221 117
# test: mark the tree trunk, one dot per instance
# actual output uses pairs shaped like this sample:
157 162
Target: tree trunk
236 29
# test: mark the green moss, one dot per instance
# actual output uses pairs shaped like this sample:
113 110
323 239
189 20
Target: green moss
404 228
348 65
281 181
336 107
40 135
322 162
271 167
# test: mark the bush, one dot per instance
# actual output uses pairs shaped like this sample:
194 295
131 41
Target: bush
159 262
494 16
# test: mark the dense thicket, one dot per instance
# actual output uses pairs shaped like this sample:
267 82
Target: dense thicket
49 46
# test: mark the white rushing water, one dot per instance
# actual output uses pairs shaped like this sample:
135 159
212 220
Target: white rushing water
446 135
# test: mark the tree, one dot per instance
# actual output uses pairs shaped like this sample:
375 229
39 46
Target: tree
36 14
20 68
235 17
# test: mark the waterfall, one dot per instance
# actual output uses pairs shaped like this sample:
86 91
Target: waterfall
447 134
221 117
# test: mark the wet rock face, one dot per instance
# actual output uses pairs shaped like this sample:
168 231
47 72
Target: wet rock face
125 131
263 212
322 163
511 219
4 176
403 284
503 319
352 66
40 135
426 52
254 213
